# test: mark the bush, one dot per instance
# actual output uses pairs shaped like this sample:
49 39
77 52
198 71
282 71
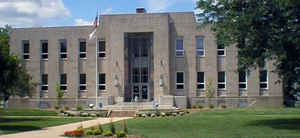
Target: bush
62 111
56 107
74 133
223 106
100 128
107 133
97 132
79 108
194 106
112 127
67 108
89 132
200 106
121 134
211 106
80 128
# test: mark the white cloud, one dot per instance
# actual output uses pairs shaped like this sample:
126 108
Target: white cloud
20 13
159 5
81 22
108 11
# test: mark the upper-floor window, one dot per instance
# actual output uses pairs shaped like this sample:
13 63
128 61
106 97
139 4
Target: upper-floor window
222 80
179 47
200 81
102 82
200 46
44 49
44 82
243 80
263 76
26 49
63 48
63 82
82 48
82 81
221 50
179 80
101 49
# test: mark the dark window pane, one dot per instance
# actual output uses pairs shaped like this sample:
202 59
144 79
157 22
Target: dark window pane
200 53
82 88
44 47
82 46
26 46
144 51
199 42
200 77
263 86
179 86
221 86
221 47
101 46
63 79
200 86
82 55
45 79
101 87
44 88
179 53
180 77
242 76
63 88
63 56
242 86
45 56
101 54
263 76
221 53
82 78
63 46
26 56
221 76
101 78
179 44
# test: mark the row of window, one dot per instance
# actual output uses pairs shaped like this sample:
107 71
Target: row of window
82 82
199 47
263 75
63 52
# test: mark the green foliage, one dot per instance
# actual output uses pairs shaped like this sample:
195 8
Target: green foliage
97 132
121 134
67 108
79 108
112 126
211 106
210 91
14 79
89 132
26 112
125 128
200 106
223 106
56 107
194 106
60 93
262 30
100 127
107 133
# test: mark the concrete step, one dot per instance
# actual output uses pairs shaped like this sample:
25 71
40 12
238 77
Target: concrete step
122 113
135 106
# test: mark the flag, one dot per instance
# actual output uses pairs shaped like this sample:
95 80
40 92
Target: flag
92 35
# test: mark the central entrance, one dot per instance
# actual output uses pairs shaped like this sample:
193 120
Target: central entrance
139 67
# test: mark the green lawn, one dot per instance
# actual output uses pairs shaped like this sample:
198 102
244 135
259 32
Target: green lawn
27 112
14 125
245 122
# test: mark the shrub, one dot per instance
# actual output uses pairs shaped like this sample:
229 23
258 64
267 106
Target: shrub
80 127
125 129
67 108
100 128
211 106
194 106
107 133
89 132
121 134
223 106
74 133
112 127
79 108
97 132
56 107
200 106
62 111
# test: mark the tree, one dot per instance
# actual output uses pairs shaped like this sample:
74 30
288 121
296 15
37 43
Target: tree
60 94
14 79
261 29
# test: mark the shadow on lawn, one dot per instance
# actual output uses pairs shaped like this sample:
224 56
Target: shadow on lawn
289 124
14 125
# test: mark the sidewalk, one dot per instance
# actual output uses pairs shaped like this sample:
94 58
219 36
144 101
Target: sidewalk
57 131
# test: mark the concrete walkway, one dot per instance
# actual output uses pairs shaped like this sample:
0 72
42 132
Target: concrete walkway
58 131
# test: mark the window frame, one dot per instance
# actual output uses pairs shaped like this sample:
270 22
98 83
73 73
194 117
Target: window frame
98 49
246 81
60 49
224 50
179 50
82 85
80 52
224 83
176 83
23 51
63 85
201 83
42 84
42 53
265 82
102 84
200 50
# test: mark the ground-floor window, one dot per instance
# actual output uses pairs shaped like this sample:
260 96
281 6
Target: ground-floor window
82 80
221 80
179 80
263 76
102 82
243 80
63 82
200 81
44 82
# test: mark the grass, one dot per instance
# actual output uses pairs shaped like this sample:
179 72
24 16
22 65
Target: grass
246 122
20 124
27 112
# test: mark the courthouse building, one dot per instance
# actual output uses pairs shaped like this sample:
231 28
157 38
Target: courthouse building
139 59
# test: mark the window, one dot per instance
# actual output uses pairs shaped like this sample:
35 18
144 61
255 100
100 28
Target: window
179 80
63 49
102 84
243 80
101 49
63 82
200 46
179 47
44 49
263 76
221 80
82 81
82 48
221 50
26 49
200 81
44 82
144 75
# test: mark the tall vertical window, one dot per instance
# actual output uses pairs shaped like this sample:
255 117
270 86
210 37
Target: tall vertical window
44 49
82 81
200 46
200 81
44 82
221 80
82 48
63 82
243 80
221 50
26 49
102 82
179 47
263 76
101 49
179 80
63 48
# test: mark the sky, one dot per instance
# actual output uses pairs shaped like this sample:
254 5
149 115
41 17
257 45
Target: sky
45 13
